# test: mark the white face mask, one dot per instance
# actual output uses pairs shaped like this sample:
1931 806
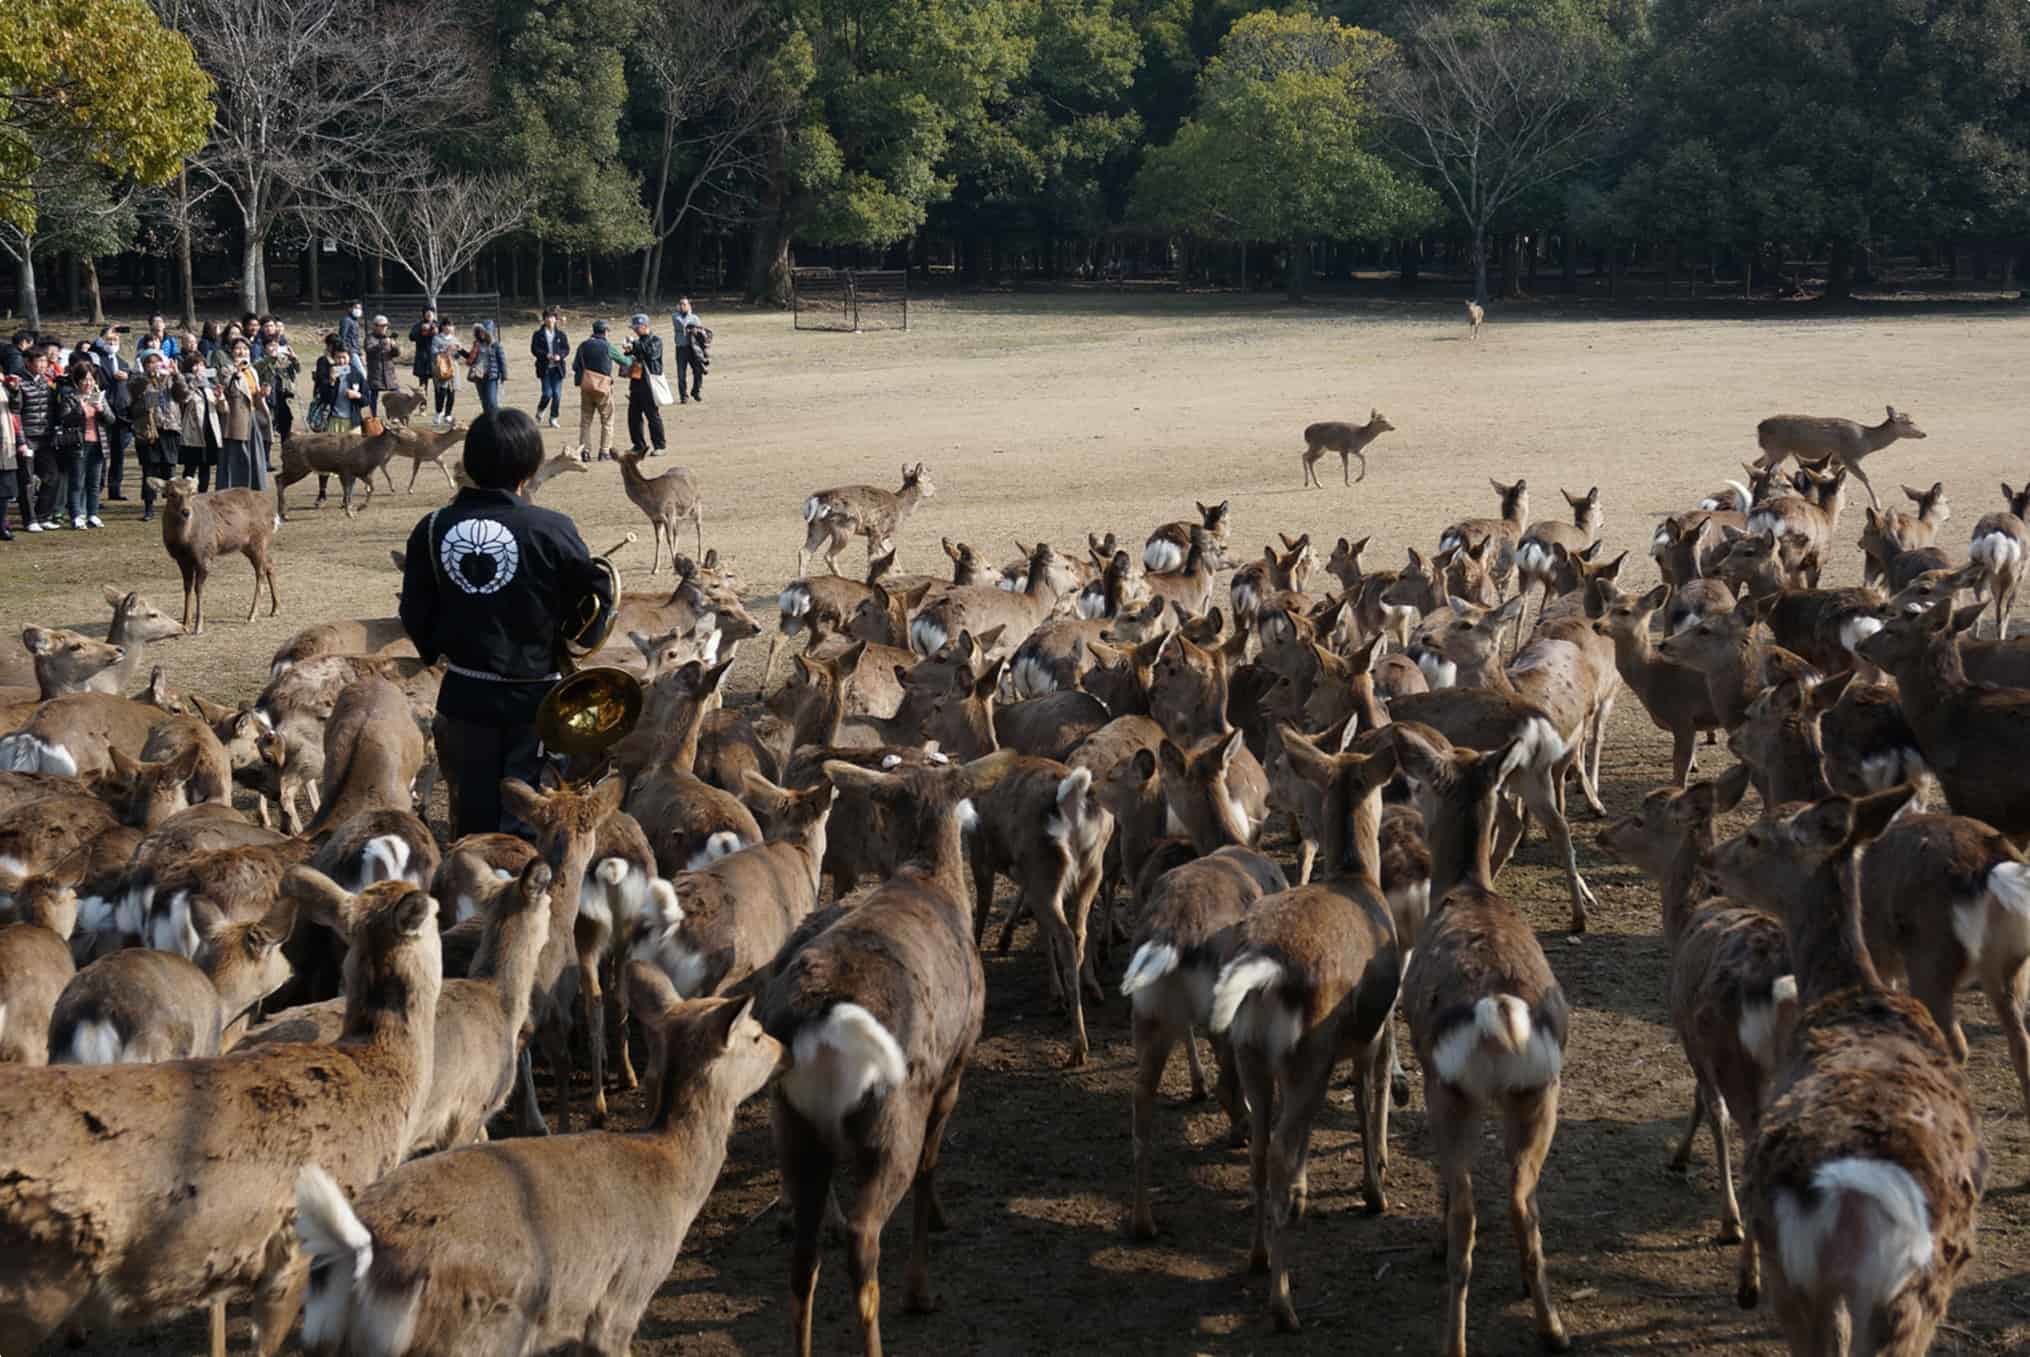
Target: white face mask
356 312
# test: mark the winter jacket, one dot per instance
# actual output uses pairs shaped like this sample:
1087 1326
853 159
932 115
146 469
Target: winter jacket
166 396
240 388
421 365
648 351
349 332
113 372
444 343
486 363
596 355
36 405
381 354
549 348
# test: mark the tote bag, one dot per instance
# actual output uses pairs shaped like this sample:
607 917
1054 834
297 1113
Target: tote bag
660 386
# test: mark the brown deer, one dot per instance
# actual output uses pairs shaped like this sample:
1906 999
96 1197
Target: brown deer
1476 316
1675 695
1999 546
668 500
1536 566
877 1017
569 461
145 1005
1503 533
441 1241
1312 982
367 636
1972 737
1731 992
1885 533
1487 1017
178 1179
1867 1170
1813 514
198 529
1348 440
35 965
426 447
1169 545
349 456
834 517
1816 440
64 662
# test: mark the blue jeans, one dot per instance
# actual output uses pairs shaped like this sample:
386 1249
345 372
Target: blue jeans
84 481
489 393
553 391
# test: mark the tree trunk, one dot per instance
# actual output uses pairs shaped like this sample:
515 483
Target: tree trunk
1480 263
1298 274
514 273
1614 270
1511 266
24 275
1409 252
91 270
71 282
1840 272
541 300
656 217
1568 263
313 274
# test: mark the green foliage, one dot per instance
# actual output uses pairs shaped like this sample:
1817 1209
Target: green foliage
1284 143
561 84
103 84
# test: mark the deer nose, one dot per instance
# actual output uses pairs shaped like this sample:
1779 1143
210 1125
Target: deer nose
119 652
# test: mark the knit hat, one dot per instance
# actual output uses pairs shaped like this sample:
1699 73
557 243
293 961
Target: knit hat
598 327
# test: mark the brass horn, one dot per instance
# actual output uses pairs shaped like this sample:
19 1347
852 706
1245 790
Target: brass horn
590 710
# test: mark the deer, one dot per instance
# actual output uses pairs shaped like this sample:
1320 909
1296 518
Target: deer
1504 533
1348 440
1188 587
1487 1017
1813 514
1536 565
198 529
178 1179
443 1242
379 636
821 607
688 822
982 607
834 517
1676 696
1731 996
1999 546
349 456
144 1005
1169 546
727 920
73 668
1728 650
426 447
1781 742
668 500
877 1017
398 405
1885 533
480 1018
373 750
1816 440
571 461
1867 1169
35 965
1312 982
1476 316
1971 736
64 662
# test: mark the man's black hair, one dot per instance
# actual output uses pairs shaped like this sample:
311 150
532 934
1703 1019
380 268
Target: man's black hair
503 449
23 337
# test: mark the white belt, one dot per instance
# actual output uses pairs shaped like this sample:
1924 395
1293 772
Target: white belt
463 672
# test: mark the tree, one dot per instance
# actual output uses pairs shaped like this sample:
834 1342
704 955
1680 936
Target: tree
869 94
1283 146
431 223
106 83
315 94
74 207
561 86
1493 106
708 66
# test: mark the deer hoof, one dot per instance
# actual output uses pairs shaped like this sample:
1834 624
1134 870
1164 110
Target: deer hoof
1258 1260
1730 1232
1286 1316
1748 1294
1376 1202
1076 1060
1399 1089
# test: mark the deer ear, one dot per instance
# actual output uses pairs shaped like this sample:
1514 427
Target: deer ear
125 766
989 681
1174 759
1730 787
1510 610
1226 747
321 898
852 776
1967 617
1871 815
115 597
1417 756
725 1019
415 913
608 795
1826 694
1145 764
1364 658
1656 598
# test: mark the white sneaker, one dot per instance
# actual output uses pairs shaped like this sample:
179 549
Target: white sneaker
96 521
553 421
35 527
77 524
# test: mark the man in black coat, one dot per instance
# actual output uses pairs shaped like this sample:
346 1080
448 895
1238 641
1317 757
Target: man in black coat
119 432
646 352
491 585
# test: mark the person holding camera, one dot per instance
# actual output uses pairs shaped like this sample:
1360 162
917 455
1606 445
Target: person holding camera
119 430
592 372
84 417
158 424
242 461
382 353
485 367
644 376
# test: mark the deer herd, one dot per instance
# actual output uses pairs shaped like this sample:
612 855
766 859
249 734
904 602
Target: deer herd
260 1053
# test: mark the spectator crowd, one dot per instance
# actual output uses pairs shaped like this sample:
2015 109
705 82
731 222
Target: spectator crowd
217 404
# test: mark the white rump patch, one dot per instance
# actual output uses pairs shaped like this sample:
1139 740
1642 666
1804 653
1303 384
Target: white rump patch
1270 1026
385 858
96 1042
1033 678
1855 630
1534 558
172 930
1996 551
1869 1200
926 635
814 509
795 601
717 846
1439 672
25 753
1162 556
839 1062
1092 602
1500 1049
1760 1023
968 816
1151 962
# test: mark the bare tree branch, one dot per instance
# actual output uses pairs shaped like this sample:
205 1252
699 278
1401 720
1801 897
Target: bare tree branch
431 224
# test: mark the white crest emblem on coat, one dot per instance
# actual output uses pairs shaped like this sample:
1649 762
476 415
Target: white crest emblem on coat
480 555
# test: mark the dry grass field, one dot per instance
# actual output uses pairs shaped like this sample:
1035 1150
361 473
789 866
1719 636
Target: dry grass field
1053 415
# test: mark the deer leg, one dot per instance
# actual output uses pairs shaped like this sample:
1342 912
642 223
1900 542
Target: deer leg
556 1039
1723 1156
1307 857
1289 1145
1531 1122
1258 1087
1866 484
698 522
528 1115
1226 1090
983 893
189 588
1681 1158
929 1215
1377 1088
1197 1067
200 571
217 1327
1084 888
1541 797
594 1002
807 1182
1684 753
1062 946
389 476
874 1200
278 1299
1152 1052
1455 1126
2007 986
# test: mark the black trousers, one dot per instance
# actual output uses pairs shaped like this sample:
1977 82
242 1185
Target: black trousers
474 757
642 408
117 437
687 361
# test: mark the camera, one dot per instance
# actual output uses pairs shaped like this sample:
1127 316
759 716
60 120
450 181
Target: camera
123 329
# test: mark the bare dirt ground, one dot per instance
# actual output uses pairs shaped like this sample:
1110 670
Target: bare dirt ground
1052 415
